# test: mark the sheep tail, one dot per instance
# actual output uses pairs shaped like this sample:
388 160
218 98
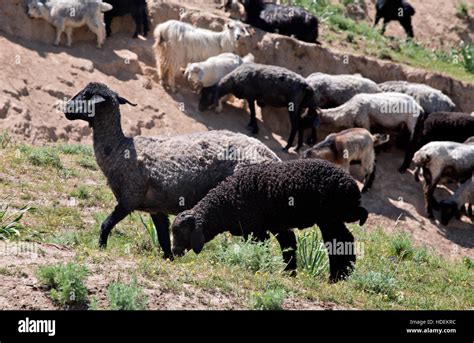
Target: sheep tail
249 58
105 7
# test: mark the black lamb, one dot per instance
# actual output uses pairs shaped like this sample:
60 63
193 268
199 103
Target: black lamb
278 197
272 86
285 20
440 126
136 8
398 10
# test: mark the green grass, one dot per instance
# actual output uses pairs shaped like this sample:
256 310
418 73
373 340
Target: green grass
129 297
65 282
455 61
10 225
390 273
271 300
248 255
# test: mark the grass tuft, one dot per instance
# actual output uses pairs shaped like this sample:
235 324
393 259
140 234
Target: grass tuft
65 281
128 297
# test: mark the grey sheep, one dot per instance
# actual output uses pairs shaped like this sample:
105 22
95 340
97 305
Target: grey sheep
268 86
159 175
278 197
335 90
430 99
59 14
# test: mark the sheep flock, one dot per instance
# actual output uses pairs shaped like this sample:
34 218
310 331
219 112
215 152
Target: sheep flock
220 181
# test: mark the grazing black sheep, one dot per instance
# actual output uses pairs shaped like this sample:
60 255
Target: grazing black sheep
399 10
278 197
440 126
272 86
285 20
136 8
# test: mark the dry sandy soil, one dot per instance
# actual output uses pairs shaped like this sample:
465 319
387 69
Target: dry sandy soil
35 76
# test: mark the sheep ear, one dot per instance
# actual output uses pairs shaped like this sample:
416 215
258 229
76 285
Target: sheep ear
97 99
197 241
123 101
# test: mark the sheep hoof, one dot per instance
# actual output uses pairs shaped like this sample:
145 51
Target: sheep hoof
402 170
285 150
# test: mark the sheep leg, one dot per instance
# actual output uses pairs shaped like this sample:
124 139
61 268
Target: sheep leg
287 240
59 31
138 24
294 127
428 190
406 162
145 23
377 19
171 80
406 24
368 181
253 118
108 23
162 229
69 36
336 235
384 26
115 217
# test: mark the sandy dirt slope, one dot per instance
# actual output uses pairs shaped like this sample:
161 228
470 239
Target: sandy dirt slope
19 288
435 22
34 76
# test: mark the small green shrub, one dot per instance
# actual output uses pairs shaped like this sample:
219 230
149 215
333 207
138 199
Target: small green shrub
5 139
81 192
128 297
462 10
65 281
270 300
401 246
311 254
375 282
88 162
469 263
10 221
249 255
76 149
467 53
42 156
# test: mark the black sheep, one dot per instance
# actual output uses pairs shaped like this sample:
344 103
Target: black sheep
285 20
272 86
440 126
278 197
398 10
136 8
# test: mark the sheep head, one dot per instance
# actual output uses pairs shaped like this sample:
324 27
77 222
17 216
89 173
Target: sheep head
91 101
193 73
209 98
237 30
35 9
185 234
449 210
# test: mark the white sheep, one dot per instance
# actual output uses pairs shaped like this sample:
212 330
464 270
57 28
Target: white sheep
178 43
212 70
441 161
387 110
68 14
431 99
335 90
349 147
